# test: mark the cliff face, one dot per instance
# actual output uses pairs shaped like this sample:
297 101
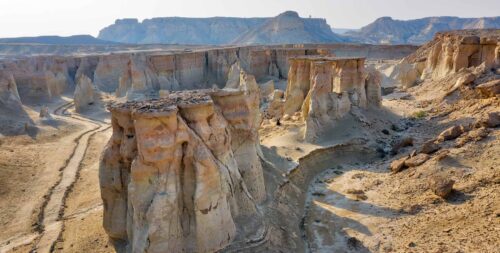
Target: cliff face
176 174
177 30
451 52
386 30
133 75
324 89
41 78
287 27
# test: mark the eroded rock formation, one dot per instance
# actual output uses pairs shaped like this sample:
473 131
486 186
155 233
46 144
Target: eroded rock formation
85 93
451 52
179 171
9 97
325 88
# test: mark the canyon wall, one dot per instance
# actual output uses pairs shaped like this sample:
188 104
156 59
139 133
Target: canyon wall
126 74
451 52
324 88
176 174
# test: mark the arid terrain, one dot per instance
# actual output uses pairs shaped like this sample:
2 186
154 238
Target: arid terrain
285 148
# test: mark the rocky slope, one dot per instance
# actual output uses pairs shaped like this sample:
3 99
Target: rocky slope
287 27
386 30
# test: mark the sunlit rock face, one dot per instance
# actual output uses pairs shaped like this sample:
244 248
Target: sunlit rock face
41 78
450 52
179 171
324 88
85 93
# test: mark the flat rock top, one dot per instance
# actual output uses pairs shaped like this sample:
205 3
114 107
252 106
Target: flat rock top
166 104
324 58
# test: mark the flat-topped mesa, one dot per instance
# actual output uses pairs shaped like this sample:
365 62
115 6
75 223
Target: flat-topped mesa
173 176
325 87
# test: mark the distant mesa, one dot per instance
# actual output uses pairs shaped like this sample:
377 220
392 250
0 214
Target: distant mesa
288 27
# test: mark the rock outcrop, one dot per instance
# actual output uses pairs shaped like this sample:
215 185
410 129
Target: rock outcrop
179 171
9 97
325 89
450 52
85 93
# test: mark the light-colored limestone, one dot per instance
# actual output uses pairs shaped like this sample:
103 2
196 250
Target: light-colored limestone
85 93
178 171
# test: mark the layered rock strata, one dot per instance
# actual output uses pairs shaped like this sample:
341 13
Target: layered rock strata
325 88
450 52
46 77
178 172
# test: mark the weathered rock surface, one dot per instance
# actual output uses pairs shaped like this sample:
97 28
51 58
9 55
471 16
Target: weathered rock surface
489 89
442 185
449 52
85 93
416 160
179 171
398 164
9 96
450 133
325 88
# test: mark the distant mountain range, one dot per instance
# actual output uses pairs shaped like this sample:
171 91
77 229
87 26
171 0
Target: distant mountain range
58 40
288 27
386 30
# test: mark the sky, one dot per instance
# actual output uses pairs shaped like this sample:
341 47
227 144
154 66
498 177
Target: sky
70 17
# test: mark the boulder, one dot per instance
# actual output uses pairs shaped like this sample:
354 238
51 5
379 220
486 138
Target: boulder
489 89
429 147
401 143
450 133
491 120
398 164
44 112
442 185
416 160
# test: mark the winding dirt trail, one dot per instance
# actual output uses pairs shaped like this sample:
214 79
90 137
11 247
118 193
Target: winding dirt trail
51 216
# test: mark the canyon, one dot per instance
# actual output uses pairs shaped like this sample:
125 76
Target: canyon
276 148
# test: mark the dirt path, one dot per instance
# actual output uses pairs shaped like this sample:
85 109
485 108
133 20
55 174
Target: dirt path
53 211
50 218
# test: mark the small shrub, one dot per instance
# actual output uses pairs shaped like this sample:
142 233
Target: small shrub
420 114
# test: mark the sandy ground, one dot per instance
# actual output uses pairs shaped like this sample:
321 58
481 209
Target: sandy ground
30 165
367 209
83 231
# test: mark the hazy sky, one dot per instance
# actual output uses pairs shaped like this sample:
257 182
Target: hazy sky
69 17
